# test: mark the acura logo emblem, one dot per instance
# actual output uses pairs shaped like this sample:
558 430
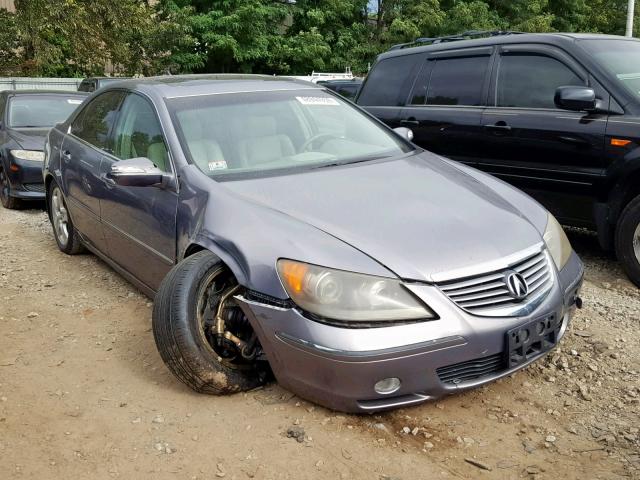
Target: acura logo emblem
517 285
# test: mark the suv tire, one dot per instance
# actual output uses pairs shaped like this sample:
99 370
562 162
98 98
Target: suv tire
628 240
182 340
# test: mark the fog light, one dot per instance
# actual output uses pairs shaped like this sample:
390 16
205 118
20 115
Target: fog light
387 386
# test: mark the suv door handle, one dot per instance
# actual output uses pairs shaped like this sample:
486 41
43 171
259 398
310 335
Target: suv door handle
66 155
410 121
581 142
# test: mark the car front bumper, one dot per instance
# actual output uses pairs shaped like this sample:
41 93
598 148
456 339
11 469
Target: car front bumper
25 179
338 367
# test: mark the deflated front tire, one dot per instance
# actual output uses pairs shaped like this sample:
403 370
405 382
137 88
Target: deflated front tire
183 317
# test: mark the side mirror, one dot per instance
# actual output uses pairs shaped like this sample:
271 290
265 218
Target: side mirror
136 172
405 133
576 99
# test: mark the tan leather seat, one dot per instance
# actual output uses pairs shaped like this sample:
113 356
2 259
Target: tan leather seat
203 150
262 143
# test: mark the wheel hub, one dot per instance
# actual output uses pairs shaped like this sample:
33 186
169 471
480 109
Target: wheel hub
59 216
222 322
636 242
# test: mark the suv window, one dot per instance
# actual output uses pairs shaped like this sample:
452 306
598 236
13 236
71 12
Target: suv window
530 81
138 133
94 122
387 81
87 86
455 81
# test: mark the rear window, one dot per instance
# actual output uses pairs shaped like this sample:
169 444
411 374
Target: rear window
457 81
40 111
388 81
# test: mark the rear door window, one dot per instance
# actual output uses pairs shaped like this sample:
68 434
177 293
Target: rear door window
388 82
457 81
531 80
93 124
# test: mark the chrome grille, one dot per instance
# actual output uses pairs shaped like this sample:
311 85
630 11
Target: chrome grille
488 295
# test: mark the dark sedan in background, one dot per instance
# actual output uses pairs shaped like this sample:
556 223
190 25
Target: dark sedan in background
25 118
91 84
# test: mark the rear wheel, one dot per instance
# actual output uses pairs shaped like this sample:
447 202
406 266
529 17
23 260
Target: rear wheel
201 333
64 232
5 192
628 240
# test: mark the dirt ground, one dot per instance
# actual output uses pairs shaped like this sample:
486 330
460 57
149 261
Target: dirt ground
85 395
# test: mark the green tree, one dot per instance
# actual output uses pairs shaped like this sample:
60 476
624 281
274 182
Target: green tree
9 44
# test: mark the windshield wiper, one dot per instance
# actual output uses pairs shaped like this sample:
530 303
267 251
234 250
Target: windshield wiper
351 162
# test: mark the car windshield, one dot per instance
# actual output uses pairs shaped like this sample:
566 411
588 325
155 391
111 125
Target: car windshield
40 111
258 132
619 57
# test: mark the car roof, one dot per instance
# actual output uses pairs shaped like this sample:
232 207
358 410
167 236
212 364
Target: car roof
35 91
176 86
348 81
547 38
105 78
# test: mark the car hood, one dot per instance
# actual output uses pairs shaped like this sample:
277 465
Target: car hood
29 138
419 216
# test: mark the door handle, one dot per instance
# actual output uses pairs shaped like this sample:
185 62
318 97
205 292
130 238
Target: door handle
410 121
573 140
66 155
109 182
498 127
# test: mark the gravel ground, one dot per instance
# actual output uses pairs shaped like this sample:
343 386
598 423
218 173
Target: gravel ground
84 394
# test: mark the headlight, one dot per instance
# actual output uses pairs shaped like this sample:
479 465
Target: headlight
33 155
349 297
557 242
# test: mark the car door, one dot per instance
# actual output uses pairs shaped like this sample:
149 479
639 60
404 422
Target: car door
81 153
445 107
387 86
139 222
555 155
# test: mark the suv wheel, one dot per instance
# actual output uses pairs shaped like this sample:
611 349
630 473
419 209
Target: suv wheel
628 240
186 312
66 235
5 192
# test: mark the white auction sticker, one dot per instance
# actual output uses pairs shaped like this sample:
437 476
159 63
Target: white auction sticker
74 102
217 165
322 101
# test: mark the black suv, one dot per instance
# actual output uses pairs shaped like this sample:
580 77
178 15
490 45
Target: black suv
557 115
347 88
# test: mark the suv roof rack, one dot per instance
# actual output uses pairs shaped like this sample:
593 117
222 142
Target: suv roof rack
469 34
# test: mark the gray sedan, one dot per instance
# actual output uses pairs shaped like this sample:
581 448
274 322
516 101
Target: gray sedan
284 231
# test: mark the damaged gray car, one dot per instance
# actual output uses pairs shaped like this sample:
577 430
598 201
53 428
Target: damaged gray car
284 231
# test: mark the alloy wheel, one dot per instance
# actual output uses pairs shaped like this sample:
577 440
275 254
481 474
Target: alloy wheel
59 216
4 186
636 242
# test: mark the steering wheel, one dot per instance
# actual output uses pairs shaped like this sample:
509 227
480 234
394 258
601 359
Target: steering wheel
314 138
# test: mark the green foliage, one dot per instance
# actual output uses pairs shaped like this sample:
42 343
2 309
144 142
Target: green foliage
83 37
9 43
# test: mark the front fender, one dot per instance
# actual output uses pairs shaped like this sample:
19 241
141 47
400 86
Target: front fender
250 237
